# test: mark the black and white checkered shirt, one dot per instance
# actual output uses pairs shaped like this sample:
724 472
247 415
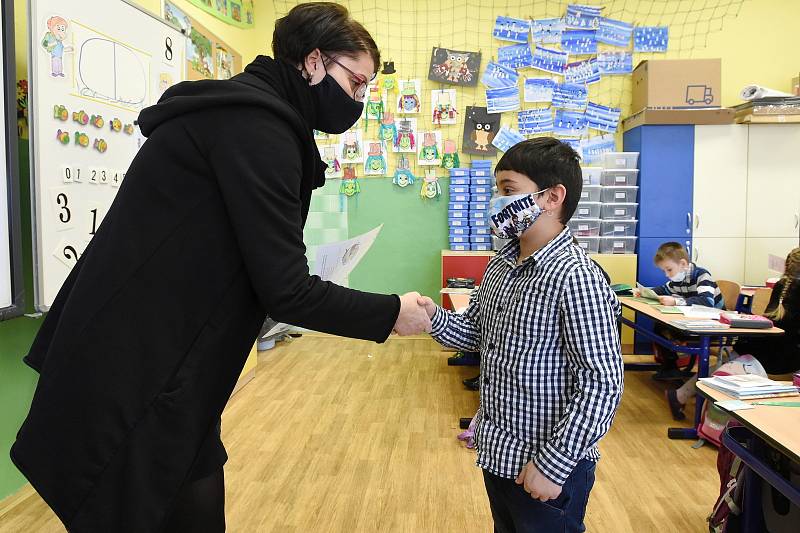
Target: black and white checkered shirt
551 365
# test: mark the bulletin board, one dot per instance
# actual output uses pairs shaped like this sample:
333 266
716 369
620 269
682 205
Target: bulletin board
11 283
90 77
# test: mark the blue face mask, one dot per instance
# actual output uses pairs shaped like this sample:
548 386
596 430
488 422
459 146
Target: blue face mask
510 216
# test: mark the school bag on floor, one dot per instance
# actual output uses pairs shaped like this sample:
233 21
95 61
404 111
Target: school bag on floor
725 517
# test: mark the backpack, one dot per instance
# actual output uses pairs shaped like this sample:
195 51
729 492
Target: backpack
713 419
724 517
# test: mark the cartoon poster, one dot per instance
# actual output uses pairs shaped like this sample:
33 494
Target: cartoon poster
480 128
405 140
431 148
454 67
443 106
330 156
409 101
54 42
207 56
239 13
351 147
375 164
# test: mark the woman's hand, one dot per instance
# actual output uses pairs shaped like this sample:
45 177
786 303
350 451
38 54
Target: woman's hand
413 318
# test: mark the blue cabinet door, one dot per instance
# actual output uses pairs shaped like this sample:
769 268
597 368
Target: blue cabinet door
666 168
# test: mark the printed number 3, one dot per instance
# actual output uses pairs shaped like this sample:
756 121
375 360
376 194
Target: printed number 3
65 215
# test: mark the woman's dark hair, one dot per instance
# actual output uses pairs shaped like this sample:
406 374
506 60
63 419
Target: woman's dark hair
322 25
547 162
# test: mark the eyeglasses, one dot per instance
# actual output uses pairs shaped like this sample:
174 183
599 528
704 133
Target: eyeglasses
361 88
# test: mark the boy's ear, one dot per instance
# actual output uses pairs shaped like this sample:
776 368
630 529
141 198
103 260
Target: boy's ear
554 198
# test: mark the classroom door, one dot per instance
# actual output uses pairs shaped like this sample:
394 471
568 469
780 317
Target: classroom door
773 168
720 181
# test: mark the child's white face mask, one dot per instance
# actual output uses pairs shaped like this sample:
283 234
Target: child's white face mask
677 278
510 216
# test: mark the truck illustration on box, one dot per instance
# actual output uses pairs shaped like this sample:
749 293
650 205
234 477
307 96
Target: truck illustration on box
699 94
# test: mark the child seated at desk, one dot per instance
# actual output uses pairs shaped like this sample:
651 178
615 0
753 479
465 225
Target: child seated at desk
545 323
688 284
780 355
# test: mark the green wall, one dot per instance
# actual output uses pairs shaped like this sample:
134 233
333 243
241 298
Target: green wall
407 254
17 380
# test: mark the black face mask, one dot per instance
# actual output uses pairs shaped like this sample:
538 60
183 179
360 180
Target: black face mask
336 110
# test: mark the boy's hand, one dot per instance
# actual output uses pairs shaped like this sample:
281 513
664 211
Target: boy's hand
428 304
536 484
636 293
667 300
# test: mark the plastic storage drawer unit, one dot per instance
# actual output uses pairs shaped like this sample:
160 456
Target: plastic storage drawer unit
618 228
617 245
624 160
585 227
620 195
619 178
590 245
618 211
591 175
587 210
591 193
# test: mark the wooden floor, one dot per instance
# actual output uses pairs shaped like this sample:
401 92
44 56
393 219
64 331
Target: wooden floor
336 435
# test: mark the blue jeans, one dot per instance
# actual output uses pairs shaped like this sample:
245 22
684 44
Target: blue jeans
515 511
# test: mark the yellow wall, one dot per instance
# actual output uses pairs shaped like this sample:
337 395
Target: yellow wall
248 42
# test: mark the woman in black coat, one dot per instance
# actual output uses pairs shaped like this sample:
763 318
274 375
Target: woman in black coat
148 335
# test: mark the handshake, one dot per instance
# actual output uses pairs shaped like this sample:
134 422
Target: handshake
415 315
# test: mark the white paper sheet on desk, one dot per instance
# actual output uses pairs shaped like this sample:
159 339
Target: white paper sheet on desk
335 261
700 311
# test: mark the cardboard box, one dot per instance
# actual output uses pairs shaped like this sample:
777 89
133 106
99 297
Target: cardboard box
677 84
679 116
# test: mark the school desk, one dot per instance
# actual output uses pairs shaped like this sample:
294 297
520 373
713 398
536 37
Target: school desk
765 428
703 340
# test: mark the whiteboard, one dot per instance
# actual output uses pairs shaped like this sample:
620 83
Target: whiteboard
11 283
93 67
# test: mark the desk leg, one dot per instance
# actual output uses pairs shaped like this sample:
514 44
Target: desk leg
702 372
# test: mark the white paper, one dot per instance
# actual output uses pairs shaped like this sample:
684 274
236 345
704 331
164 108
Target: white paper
335 261
734 405
754 92
700 311
646 292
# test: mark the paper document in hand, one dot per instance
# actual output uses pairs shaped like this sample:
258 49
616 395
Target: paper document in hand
335 261
646 292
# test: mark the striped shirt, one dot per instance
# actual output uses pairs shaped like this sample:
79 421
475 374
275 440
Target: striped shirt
551 366
698 288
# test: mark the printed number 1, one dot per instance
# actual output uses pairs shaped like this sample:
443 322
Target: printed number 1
94 222
168 51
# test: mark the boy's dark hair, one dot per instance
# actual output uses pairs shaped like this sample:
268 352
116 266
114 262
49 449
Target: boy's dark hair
671 250
547 162
324 25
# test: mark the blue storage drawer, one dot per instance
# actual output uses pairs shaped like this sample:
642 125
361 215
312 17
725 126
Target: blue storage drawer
460 247
458 222
483 182
459 172
455 182
460 239
480 239
458 206
460 231
480 198
480 189
477 215
457 214
460 197
478 223
480 173
478 206
459 189
480 231
481 247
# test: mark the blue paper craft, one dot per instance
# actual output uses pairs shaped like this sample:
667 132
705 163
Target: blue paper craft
614 32
510 29
550 60
602 118
574 143
583 17
609 63
582 72
547 31
579 42
515 56
533 121
539 89
496 76
570 124
506 138
595 147
570 96
650 39
502 99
